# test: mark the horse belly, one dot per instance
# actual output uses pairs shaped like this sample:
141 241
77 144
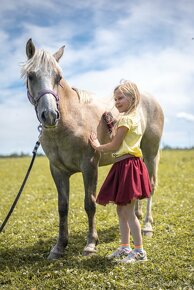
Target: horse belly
106 159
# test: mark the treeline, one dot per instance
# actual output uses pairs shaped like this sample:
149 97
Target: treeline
19 155
167 147
22 154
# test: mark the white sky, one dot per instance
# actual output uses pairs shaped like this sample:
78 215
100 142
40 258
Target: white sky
148 42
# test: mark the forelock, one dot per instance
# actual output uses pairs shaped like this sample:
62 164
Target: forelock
42 61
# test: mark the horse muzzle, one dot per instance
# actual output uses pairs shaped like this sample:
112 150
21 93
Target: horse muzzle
49 118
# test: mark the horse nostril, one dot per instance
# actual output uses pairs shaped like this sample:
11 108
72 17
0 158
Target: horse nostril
43 116
57 113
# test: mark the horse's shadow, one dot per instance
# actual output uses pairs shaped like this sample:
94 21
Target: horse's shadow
17 258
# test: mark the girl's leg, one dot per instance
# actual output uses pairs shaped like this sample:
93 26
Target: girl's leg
129 222
127 216
124 248
123 225
134 224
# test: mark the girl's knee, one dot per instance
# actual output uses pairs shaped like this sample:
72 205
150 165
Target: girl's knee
119 210
124 211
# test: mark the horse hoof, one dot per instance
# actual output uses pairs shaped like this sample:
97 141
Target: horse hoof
147 230
89 253
147 233
89 250
55 256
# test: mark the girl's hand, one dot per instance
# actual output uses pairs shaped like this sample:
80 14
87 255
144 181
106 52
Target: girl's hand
94 141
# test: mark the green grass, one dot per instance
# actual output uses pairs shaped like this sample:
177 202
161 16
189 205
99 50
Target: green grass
33 226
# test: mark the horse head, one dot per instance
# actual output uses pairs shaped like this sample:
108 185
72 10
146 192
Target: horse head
43 76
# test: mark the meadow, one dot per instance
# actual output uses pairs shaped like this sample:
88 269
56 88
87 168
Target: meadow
32 231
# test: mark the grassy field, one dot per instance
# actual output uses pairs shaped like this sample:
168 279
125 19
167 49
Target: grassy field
32 230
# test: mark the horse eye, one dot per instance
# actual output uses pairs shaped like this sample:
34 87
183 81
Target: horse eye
31 76
58 78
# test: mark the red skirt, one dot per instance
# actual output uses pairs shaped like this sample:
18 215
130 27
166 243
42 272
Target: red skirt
127 179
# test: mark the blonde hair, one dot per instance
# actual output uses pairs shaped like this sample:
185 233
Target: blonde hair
129 90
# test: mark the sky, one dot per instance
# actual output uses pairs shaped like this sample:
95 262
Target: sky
150 42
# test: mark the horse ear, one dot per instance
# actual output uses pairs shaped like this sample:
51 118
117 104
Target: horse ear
30 48
57 55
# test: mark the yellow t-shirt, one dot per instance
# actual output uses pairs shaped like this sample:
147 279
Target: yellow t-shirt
131 142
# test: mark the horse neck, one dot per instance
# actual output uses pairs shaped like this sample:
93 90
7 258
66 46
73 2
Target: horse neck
68 99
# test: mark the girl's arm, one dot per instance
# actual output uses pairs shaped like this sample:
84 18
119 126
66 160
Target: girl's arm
114 145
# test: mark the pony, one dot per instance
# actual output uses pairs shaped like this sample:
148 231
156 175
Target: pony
67 118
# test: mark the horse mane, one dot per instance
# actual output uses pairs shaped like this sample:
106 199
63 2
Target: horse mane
84 96
41 59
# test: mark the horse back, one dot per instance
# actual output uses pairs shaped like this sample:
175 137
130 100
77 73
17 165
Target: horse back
152 125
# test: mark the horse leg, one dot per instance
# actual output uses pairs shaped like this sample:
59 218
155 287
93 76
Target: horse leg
148 229
152 166
90 182
138 209
61 180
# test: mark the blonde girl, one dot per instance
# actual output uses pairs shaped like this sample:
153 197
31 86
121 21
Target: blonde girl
128 178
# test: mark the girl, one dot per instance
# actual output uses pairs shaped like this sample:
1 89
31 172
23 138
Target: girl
128 178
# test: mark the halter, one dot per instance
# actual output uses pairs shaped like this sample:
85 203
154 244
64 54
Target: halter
34 100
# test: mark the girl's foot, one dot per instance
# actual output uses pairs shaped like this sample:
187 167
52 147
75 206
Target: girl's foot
119 253
135 256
